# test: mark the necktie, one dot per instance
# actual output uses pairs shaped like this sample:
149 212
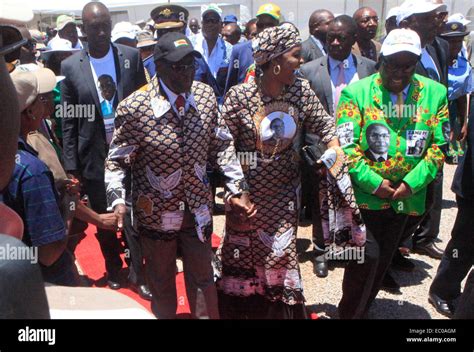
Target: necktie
180 104
340 85
399 105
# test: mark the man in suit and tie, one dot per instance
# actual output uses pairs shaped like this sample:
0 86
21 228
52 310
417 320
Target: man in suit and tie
315 46
86 137
426 17
378 139
328 75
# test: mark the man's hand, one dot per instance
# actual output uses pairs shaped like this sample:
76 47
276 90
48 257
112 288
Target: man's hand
107 221
119 211
385 190
463 135
243 206
402 191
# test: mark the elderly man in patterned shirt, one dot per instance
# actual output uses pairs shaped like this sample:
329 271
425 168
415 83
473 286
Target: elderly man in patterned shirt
166 135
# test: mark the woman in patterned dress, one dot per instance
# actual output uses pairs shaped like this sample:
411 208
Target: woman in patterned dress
260 273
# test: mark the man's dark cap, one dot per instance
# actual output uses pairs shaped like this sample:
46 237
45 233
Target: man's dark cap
173 46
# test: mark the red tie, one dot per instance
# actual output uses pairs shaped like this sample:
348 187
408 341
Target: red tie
180 103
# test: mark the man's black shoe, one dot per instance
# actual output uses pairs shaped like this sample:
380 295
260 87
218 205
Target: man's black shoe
442 306
429 249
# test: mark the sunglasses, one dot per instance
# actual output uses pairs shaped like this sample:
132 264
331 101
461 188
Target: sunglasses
12 41
183 67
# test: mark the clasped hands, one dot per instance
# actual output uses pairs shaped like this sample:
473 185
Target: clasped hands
389 190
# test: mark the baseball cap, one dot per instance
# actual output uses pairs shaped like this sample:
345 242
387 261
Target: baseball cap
413 7
30 84
123 30
63 20
15 11
211 8
57 45
230 19
271 10
400 40
173 46
393 12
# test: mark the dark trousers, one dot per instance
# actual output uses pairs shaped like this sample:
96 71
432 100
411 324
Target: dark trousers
362 282
22 293
108 241
458 257
160 272
135 253
428 230
465 308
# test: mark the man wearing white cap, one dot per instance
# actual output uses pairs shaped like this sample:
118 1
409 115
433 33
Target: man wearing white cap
389 189
427 18
67 29
391 20
215 50
125 33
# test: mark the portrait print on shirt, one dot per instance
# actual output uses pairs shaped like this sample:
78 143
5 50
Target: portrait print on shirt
345 133
416 142
446 127
378 140
277 130
107 89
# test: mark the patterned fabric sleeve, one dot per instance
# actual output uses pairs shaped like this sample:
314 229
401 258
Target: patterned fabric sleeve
223 155
425 171
123 149
317 121
348 113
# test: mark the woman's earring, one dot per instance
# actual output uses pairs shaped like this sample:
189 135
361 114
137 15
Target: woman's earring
276 70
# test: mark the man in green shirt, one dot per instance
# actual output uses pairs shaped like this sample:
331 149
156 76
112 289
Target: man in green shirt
391 125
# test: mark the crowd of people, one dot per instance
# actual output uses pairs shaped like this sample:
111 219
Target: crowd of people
131 128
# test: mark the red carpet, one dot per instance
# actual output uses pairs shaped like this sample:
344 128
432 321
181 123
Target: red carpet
90 259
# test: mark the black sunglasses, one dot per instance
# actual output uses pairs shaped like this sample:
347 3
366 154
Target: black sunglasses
183 67
12 43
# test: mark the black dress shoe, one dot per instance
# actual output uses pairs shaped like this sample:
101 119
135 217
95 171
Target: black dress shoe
320 267
142 291
442 306
390 285
401 263
114 285
429 249
113 281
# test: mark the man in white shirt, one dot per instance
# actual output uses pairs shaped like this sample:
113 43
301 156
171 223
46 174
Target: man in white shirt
215 50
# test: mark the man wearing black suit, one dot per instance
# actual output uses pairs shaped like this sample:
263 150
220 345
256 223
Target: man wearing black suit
323 75
315 46
86 138
426 18
341 37
458 257
378 138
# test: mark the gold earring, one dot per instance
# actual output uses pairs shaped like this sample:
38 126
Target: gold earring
276 70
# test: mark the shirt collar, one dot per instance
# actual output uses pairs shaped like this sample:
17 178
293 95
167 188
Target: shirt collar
189 97
318 44
22 145
333 63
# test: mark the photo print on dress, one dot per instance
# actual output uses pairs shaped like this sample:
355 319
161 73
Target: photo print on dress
416 142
